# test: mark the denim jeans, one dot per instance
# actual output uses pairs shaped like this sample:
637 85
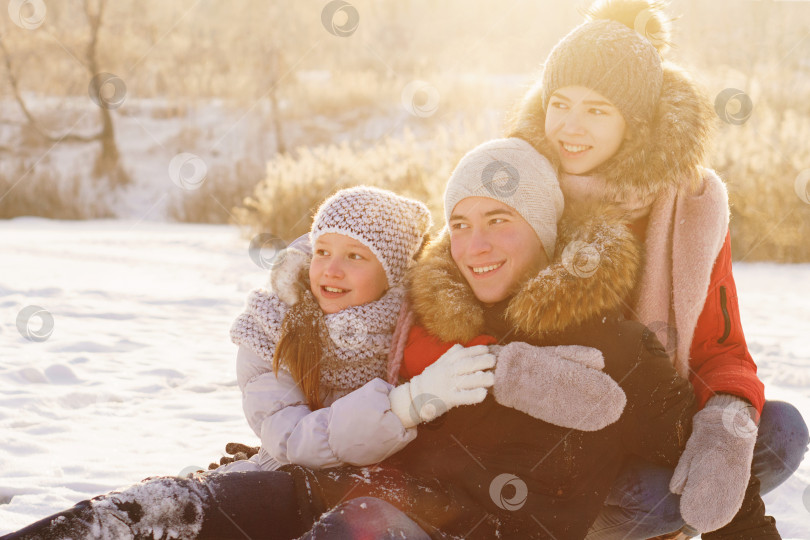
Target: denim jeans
641 506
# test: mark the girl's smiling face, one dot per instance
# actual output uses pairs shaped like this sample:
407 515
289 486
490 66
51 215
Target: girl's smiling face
584 127
344 273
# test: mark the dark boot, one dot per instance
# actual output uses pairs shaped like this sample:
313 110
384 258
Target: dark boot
750 523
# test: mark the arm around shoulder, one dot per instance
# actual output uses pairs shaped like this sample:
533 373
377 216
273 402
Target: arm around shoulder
358 428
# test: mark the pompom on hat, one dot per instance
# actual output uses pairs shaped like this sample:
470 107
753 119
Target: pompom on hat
616 52
393 227
513 172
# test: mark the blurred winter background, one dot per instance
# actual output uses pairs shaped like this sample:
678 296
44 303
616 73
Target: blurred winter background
145 120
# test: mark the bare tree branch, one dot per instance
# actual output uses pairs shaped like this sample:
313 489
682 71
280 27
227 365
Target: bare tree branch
32 121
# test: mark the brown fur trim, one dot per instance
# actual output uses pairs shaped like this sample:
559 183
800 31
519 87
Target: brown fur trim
441 298
593 273
561 296
665 152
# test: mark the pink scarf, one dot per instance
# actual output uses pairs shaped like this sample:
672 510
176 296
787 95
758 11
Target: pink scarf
685 233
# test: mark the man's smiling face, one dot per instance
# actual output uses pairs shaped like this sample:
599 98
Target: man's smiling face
494 247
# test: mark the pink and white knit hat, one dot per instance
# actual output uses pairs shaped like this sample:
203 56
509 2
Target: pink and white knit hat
390 225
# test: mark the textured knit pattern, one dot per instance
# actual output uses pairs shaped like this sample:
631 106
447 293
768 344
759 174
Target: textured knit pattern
356 350
614 60
390 225
513 172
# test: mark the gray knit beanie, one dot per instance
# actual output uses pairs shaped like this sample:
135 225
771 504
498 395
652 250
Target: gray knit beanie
513 172
609 55
391 226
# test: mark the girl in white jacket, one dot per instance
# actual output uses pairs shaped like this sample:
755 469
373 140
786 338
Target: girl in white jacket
313 366
313 357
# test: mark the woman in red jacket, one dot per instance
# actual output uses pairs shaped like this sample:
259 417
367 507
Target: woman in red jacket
622 125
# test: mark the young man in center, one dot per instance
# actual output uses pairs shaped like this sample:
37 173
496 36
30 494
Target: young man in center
495 469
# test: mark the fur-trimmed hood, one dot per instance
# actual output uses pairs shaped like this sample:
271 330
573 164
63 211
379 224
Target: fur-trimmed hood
593 274
667 151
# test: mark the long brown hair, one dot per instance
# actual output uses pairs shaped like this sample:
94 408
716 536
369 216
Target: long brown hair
300 347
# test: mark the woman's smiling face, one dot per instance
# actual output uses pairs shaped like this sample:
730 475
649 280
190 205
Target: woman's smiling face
584 127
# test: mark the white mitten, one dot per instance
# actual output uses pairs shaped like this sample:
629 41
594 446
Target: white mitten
561 385
456 378
287 267
713 472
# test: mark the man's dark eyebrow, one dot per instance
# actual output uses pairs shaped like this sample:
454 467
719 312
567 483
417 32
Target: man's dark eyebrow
500 211
506 211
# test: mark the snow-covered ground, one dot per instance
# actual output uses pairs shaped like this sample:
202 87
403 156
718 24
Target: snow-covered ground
137 377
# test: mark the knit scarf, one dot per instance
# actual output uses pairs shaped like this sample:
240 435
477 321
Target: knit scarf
685 233
357 341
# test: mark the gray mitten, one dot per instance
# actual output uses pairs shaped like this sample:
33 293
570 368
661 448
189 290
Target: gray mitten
562 385
713 472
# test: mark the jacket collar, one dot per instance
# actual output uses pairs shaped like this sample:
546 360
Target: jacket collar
592 275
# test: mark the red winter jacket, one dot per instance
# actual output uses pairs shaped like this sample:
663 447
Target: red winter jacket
422 349
719 357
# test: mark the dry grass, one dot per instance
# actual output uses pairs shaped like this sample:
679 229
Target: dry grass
222 190
27 191
332 89
285 201
760 162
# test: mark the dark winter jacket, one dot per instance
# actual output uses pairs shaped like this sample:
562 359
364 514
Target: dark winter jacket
487 470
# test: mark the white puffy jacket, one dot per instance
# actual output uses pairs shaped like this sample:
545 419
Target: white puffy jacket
355 428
